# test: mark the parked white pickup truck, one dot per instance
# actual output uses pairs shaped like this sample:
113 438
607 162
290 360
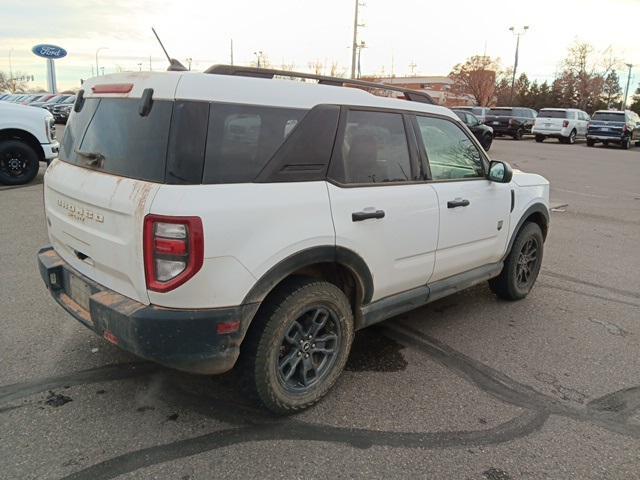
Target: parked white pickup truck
27 137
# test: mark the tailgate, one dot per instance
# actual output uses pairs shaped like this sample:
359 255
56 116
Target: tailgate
95 224
552 124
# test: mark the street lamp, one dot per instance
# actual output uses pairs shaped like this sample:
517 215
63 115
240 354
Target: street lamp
515 63
258 55
97 51
626 91
189 60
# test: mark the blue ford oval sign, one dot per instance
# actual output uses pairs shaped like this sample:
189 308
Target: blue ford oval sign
49 51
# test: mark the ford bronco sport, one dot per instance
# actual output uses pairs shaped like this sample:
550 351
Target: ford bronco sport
201 220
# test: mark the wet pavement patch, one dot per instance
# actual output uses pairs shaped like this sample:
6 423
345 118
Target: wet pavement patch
57 399
372 351
144 408
173 417
496 474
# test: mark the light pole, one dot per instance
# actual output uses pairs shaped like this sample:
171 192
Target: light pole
140 67
258 55
515 63
189 60
626 91
98 51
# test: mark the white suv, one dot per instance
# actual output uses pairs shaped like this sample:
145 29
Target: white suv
200 219
565 124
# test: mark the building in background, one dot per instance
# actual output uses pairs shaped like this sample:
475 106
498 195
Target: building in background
441 89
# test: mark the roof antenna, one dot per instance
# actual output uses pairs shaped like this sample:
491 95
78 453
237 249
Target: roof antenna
174 65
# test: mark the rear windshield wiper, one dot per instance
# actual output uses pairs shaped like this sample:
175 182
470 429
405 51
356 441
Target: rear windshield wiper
94 159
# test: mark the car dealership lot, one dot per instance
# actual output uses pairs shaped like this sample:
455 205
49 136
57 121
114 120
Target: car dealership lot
467 387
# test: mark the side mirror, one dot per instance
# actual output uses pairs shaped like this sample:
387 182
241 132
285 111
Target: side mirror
500 172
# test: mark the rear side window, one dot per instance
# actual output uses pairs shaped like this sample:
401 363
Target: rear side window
552 114
242 138
373 149
609 116
451 154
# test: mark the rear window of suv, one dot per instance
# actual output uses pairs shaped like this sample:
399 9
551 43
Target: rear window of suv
552 114
501 112
181 142
609 116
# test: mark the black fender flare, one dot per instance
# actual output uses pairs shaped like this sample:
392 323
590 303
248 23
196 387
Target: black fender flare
310 256
535 208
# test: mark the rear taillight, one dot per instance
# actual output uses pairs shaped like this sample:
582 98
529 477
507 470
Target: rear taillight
625 129
565 124
173 250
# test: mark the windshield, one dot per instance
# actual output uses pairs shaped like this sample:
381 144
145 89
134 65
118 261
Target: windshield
609 116
552 114
501 112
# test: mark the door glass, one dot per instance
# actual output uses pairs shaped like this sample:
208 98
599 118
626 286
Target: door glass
373 149
452 155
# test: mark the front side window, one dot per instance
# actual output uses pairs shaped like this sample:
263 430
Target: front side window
451 154
373 149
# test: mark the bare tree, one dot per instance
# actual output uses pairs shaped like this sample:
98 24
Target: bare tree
15 84
476 76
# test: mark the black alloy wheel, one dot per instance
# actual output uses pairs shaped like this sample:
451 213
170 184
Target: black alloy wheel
308 349
19 163
527 260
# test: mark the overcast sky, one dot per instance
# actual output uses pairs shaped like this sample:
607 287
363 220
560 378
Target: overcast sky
435 35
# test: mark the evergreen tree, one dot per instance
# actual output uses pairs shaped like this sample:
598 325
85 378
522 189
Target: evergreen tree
611 90
635 106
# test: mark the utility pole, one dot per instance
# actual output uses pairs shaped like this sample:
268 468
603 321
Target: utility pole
626 91
361 45
354 45
189 60
515 63
140 67
232 51
150 69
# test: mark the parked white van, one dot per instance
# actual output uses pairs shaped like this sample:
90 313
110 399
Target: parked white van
565 124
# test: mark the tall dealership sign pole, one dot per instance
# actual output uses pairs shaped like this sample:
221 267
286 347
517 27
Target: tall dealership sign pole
515 63
50 53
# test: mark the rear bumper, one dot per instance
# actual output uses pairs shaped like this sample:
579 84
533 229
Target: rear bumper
564 133
606 138
184 339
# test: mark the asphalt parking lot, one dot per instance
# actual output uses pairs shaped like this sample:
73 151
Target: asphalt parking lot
468 387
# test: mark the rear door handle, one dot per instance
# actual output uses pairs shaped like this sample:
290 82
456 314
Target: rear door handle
359 216
458 202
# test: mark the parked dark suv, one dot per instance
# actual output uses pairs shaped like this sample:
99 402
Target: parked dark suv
512 121
482 132
614 126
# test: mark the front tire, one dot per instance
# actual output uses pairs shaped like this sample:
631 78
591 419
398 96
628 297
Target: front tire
518 135
539 138
522 265
298 345
19 162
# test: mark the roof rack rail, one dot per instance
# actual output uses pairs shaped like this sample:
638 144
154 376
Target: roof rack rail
412 95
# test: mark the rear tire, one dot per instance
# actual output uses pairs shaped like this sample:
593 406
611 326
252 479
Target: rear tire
518 135
626 144
539 138
572 137
19 162
297 345
522 265
590 143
